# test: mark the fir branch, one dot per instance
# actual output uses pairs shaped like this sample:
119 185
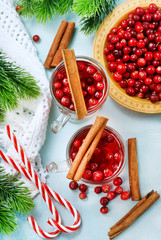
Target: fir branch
92 23
15 84
63 6
14 194
7 220
2 114
45 10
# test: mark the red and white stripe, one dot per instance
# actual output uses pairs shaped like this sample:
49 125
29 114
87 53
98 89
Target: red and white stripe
45 191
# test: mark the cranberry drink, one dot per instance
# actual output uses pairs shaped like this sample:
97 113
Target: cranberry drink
133 51
94 86
107 160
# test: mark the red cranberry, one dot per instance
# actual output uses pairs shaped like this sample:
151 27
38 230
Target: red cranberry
120 33
131 82
114 39
121 68
93 102
59 93
141 62
123 23
148 56
152 8
65 82
138 52
111 195
106 51
98 77
117 181
135 75
91 70
117 77
141 95
147 81
91 90
98 95
59 75
158 87
97 176
126 58
81 66
114 30
154 98
155 63
82 187
71 107
133 58
130 91
142 74
98 190
112 66
107 172
77 143
104 201
141 44
104 210
110 46
89 81
130 67
138 84
132 42
82 195
19 9
144 89
73 185
123 42
57 85
152 46
148 17
109 36
158 70
139 28
151 37
150 69
110 57
125 195
139 11
126 50
36 38
118 190
87 174
94 166
100 86
66 90
123 84
157 79
105 188
65 101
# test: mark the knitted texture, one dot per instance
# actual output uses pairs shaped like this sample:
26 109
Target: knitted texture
29 120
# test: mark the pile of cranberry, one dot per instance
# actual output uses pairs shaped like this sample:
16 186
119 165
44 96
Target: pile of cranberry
134 53
105 189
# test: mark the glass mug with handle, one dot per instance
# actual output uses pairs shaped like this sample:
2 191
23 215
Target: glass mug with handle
95 87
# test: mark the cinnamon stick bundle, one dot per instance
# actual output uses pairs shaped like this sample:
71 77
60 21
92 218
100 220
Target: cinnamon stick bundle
133 170
133 214
87 148
63 44
61 41
74 83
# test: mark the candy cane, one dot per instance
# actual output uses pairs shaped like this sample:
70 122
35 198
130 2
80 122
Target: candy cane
45 192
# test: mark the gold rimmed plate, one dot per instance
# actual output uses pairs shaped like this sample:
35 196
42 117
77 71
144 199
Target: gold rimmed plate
116 92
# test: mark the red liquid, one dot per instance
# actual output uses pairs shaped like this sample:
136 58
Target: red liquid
106 154
93 94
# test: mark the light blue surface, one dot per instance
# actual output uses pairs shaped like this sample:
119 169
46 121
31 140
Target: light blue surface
147 130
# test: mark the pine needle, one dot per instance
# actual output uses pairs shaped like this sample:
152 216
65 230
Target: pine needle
7 220
14 194
15 84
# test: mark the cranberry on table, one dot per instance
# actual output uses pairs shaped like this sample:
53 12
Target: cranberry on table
118 190
104 201
98 190
19 9
82 195
125 195
73 185
36 38
117 181
105 188
104 210
83 187
111 195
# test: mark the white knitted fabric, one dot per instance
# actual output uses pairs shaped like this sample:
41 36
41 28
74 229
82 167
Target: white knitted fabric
29 121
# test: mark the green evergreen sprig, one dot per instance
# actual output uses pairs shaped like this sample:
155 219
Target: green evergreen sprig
15 84
14 197
92 12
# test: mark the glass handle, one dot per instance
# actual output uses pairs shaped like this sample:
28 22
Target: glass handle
57 167
57 125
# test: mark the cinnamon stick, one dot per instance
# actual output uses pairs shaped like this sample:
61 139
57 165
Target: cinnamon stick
63 44
55 45
133 214
99 122
89 153
133 170
74 83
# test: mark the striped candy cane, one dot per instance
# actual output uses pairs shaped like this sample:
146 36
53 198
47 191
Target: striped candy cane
45 191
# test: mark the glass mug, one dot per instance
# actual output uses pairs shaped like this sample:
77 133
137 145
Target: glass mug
65 112
109 156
